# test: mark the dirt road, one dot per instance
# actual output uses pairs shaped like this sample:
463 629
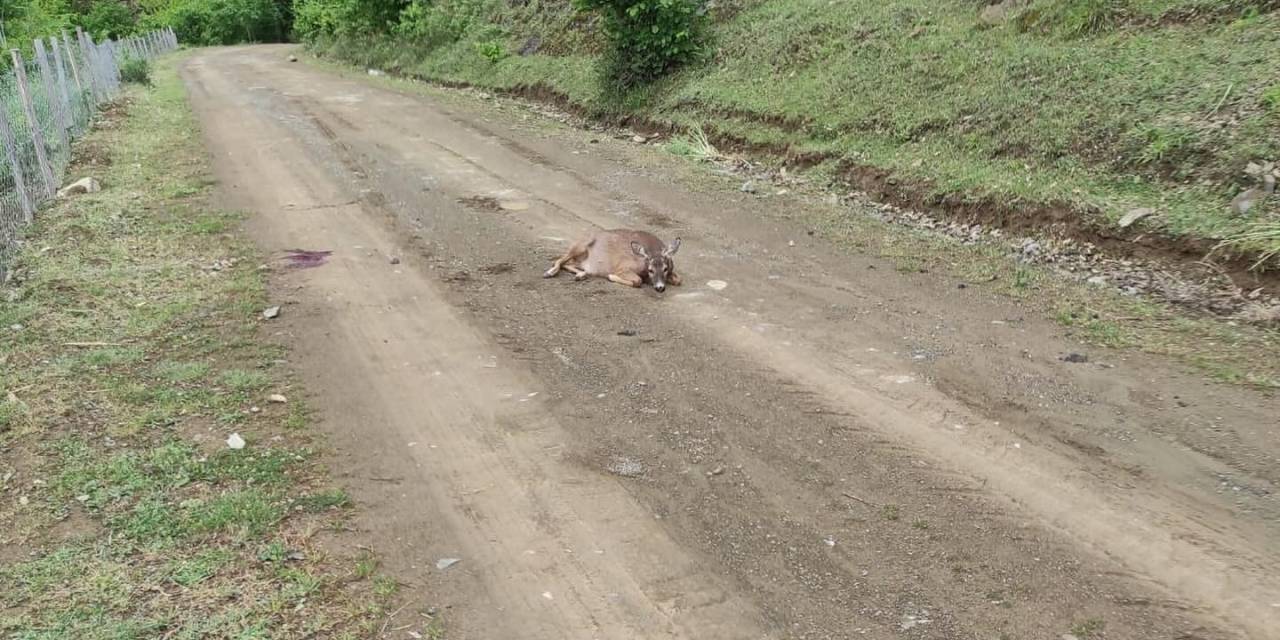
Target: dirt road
825 448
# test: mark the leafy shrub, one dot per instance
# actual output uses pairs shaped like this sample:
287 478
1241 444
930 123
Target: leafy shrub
648 38
213 22
108 19
429 25
136 70
492 50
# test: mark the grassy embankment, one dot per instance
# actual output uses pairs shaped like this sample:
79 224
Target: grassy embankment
1068 113
131 348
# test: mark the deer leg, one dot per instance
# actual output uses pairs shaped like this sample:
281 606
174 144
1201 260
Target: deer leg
674 279
575 252
630 280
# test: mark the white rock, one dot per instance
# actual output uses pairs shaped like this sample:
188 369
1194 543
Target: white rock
1134 215
83 185
277 398
717 285
234 441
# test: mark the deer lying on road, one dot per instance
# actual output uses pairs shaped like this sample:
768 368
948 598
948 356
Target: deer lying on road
623 256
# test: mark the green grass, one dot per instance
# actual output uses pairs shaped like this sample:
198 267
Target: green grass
162 531
1104 105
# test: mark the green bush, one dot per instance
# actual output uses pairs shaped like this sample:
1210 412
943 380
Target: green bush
492 50
136 71
214 22
108 19
648 38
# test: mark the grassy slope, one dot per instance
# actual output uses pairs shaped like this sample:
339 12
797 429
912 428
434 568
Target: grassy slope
125 364
1159 105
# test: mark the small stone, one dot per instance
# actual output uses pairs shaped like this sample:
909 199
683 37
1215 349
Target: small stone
1077 358
234 441
445 563
82 498
639 139
293 58
271 313
748 187
1247 200
24 501
717 285
277 398
1097 281
715 472
394 260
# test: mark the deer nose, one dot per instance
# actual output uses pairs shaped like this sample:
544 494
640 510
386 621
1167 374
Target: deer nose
659 287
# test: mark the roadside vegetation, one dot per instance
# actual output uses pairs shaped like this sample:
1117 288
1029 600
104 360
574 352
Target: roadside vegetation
197 22
131 351
1056 113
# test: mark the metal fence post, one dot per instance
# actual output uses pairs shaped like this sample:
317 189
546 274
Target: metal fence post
90 71
60 73
50 93
11 154
75 66
37 136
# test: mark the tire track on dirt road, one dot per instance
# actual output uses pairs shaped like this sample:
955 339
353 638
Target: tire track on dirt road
692 482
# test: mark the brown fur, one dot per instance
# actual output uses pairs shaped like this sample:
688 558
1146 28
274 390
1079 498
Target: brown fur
624 256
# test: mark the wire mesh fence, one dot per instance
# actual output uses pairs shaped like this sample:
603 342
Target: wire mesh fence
46 103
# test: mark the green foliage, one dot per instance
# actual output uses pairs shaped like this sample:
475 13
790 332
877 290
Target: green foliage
317 19
648 38
432 24
222 22
492 50
108 19
136 70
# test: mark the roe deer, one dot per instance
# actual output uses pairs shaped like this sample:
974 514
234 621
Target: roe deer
623 256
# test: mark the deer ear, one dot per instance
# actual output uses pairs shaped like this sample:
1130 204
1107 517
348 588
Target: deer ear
672 248
639 250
